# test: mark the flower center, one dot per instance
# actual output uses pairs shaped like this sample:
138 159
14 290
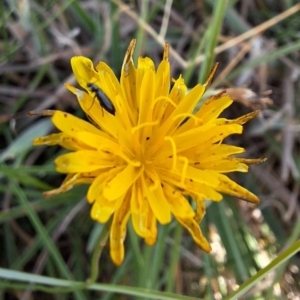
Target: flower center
141 141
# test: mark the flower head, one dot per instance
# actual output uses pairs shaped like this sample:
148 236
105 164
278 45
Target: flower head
145 149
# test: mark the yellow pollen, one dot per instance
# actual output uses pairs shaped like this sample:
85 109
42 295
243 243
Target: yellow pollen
174 150
197 120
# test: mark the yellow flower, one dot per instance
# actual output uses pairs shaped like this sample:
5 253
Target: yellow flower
145 149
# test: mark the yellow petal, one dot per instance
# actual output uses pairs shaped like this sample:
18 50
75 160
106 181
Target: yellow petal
136 198
202 176
103 208
71 88
246 118
51 139
200 211
157 201
218 151
109 84
185 106
144 75
181 207
95 111
83 69
190 187
177 93
223 165
208 112
213 107
146 97
151 233
62 139
138 224
95 140
143 219
192 226
118 232
70 124
102 213
128 57
162 79
109 124
229 187
105 143
139 211
96 187
103 68
196 137
69 182
120 184
203 191
140 221
178 90
128 80
82 161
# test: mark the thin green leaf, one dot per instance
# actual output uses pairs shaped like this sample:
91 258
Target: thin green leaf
282 257
24 141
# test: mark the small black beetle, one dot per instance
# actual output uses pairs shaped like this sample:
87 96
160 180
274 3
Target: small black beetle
103 99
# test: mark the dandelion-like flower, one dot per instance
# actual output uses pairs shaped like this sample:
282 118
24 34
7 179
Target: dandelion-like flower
145 149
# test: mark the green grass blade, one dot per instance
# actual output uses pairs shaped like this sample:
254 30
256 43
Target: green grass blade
282 257
60 285
214 31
